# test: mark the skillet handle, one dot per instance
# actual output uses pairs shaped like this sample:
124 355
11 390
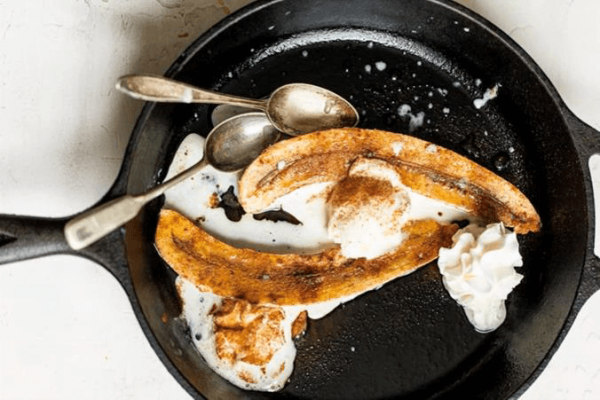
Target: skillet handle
587 141
587 138
24 237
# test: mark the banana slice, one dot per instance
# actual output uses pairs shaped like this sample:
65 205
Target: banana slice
289 279
426 168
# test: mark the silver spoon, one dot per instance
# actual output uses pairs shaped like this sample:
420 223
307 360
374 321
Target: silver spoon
230 146
294 109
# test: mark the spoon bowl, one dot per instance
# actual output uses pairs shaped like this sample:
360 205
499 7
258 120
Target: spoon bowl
295 108
299 108
230 146
234 143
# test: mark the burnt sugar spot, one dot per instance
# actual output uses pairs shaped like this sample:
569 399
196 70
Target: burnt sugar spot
462 223
230 204
277 216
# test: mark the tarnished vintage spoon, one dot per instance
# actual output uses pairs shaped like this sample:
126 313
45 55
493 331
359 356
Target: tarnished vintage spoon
294 109
230 146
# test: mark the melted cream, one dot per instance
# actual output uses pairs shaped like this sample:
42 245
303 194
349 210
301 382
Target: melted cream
195 198
367 227
373 228
197 308
478 272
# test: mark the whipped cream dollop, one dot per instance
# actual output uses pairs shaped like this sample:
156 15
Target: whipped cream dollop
478 272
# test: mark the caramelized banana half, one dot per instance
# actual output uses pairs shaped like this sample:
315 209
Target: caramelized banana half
428 169
289 279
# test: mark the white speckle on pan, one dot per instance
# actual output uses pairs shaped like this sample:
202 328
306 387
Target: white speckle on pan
414 75
271 27
430 94
368 68
230 74
443 92
419 63
456 84
467 29
477 82
416 120
511 149
394 78
488 95
416 98
430 106
353 349
446 110
404 110
304 53
370 45
380 65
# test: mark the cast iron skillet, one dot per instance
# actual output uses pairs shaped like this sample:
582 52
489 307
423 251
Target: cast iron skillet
409 339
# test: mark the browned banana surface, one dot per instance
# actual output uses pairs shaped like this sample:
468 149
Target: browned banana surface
426 168
289 279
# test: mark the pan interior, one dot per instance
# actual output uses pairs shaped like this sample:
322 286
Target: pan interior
408 339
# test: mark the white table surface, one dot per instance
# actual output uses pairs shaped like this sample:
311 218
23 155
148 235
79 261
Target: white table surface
66 327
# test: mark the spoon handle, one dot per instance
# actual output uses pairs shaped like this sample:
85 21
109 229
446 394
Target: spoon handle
91 225
165 90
